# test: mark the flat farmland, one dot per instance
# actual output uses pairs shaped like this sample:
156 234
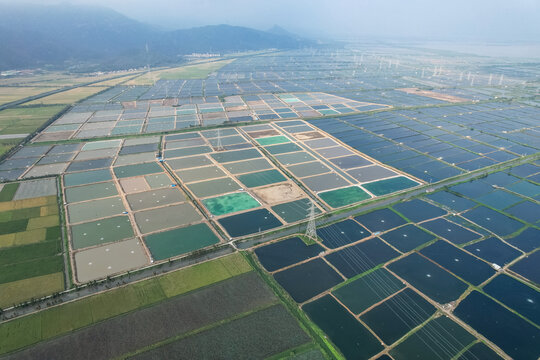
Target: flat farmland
9 93
174 317
195 71
8 144
228 303
63 319
68 97
271 331
31 261
55 79
24 120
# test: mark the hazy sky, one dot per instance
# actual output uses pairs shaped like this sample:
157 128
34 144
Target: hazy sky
516 20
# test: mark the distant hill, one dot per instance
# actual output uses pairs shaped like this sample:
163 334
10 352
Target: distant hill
278 30
85 36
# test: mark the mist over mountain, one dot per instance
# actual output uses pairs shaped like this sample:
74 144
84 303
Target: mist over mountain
86 36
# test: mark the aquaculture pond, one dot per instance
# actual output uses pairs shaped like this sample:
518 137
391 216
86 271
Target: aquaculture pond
479 351
249 222
136 170
230 203
494 221
380 220
344 196
368 290
527 240
91 191
286 252
175 242
516 295
494 251
459 262
528 267
398 315
450 231
352 338
295 210
383 187
101 231
407 238
417 210
513 335
261 178
87 177
356 259
454 202
429 278
342 233
306 280
441 338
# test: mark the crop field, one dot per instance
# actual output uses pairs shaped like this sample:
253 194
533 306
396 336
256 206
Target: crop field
113 82
230 280
34 328
8 144
69 96
24 120
53 79
271 331
9 93
195 71
31 260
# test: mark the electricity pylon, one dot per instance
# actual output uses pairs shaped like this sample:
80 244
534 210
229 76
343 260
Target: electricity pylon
311 230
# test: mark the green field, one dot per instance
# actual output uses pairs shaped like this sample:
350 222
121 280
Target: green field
35 287
31 261
24 120
62 319
7 144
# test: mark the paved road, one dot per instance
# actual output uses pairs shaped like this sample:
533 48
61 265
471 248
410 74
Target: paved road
13 136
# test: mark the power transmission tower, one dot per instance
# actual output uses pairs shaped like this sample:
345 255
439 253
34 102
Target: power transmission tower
219 146
311 230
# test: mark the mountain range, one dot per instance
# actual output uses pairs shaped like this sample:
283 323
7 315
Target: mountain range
75 36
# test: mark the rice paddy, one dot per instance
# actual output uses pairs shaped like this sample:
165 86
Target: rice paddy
30 242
